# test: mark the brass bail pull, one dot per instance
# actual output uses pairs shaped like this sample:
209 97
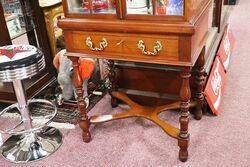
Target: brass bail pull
157 48
102 45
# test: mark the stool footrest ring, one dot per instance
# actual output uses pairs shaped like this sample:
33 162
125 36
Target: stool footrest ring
45 119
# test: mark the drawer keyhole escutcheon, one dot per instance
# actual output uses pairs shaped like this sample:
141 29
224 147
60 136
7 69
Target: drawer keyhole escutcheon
102 44
157 48
119 43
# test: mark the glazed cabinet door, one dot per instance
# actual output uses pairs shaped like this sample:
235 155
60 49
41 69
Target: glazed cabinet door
155 7
163 10
91 8
157 10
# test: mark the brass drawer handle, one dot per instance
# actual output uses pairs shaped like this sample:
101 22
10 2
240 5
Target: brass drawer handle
102 45
157 48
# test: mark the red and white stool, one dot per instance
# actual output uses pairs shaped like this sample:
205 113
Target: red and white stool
29 141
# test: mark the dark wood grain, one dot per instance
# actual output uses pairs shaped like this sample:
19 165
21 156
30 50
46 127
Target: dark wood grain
4 33
78 82
42 37
200 82
218 10
185 95
113 82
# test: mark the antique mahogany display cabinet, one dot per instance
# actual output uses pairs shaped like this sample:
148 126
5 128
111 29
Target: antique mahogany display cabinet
164 33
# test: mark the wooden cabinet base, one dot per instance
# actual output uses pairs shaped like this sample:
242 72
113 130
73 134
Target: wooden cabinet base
151 113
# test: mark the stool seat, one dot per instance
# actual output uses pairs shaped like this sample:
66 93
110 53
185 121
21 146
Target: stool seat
20 62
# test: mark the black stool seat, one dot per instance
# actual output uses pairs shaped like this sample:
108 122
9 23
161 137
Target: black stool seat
20 62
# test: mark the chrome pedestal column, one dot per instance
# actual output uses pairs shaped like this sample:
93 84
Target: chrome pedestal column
32 143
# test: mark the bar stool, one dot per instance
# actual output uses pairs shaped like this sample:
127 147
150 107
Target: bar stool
29 141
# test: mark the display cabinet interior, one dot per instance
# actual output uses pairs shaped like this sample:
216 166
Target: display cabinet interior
167 10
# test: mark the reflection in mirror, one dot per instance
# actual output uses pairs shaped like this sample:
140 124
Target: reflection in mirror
139 7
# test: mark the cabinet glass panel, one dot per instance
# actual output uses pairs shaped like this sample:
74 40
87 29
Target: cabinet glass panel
103 6
155 7
139 7
78 6
92 6
169 7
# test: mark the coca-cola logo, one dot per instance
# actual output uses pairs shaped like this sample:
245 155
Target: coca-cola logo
225 52
216 81
10 51
227 45
16 52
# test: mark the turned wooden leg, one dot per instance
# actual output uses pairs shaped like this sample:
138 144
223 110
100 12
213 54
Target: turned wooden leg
185 95
199 80
113 82
78 83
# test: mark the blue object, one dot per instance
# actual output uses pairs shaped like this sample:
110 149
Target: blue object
175 7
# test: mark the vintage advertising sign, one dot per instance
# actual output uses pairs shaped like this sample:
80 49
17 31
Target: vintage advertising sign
215 86
226 48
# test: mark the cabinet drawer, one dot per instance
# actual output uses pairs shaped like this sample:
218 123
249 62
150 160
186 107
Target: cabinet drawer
156 48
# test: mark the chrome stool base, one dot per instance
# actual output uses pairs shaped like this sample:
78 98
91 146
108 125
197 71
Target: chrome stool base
33 146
